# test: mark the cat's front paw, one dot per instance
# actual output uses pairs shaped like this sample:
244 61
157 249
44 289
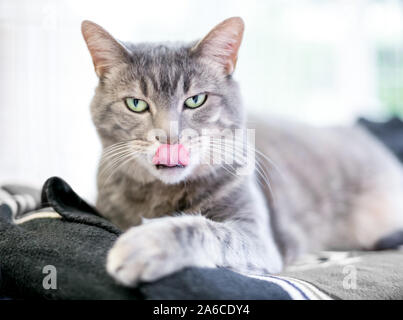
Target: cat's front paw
152 251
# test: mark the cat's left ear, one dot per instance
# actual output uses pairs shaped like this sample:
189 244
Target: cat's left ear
105 50
221 44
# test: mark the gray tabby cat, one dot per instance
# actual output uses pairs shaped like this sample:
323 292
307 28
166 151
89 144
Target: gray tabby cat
328 188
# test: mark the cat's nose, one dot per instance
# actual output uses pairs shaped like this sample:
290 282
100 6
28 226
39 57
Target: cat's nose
167 139
171 155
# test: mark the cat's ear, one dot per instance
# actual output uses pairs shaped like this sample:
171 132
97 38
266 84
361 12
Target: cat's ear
105 50
221 44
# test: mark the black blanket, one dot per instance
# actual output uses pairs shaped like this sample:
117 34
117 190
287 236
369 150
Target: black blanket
69 236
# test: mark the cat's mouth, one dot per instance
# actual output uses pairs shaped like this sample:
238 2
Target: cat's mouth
171 163
164 167
171 174
170 156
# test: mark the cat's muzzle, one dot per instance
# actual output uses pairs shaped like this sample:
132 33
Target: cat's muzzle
171 155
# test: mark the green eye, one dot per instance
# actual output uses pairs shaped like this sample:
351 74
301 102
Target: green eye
136 105
196 101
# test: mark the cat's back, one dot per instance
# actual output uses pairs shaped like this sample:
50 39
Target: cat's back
306 147
310 160
321 177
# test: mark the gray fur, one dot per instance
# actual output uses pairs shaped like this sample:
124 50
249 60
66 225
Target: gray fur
332 188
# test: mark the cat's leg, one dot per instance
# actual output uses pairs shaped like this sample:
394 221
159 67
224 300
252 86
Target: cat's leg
165 245
377 220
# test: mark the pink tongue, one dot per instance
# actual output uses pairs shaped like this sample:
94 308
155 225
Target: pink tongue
171 155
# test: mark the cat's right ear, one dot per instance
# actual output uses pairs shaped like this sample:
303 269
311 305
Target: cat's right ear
105 50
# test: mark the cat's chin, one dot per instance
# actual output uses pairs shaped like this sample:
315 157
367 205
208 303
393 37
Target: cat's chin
170 175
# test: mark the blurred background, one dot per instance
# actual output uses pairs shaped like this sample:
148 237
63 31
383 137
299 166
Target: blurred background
319 61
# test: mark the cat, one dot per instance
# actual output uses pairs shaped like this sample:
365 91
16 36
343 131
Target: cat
312 188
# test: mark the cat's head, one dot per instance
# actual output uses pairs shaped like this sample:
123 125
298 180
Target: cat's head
155 99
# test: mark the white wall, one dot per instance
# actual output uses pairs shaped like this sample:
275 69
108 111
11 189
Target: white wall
306 59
